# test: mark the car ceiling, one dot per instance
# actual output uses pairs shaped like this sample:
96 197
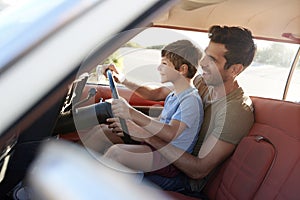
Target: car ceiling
277 20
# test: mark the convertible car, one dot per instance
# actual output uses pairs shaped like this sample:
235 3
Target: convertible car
51 83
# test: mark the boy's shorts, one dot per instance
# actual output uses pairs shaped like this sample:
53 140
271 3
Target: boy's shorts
158 160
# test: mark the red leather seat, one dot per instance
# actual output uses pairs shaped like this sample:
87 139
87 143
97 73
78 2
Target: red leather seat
266 163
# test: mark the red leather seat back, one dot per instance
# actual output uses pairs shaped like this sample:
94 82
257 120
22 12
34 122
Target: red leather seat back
280 121
266 164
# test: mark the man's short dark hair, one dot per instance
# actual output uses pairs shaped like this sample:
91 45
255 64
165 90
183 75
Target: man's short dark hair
239 44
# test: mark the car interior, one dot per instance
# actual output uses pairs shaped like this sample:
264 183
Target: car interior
265 164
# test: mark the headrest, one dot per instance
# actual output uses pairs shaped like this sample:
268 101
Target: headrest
282 115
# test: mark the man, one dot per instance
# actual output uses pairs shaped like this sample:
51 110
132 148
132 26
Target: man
228 112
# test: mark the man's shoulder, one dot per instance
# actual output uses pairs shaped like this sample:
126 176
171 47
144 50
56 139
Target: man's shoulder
201 86
238 101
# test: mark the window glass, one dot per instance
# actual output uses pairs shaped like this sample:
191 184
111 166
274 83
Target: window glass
139 58
266 76
268 73
294 88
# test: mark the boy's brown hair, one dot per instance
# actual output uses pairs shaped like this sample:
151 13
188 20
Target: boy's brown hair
183 52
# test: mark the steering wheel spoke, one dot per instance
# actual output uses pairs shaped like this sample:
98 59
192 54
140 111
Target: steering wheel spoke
115 95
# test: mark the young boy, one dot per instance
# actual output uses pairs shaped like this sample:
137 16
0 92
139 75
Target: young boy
179 122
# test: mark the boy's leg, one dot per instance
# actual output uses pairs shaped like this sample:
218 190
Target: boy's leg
99 138
137 157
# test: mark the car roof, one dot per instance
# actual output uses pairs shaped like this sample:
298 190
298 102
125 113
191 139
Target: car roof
276 20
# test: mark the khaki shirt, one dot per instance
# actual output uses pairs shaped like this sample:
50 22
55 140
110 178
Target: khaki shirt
229 118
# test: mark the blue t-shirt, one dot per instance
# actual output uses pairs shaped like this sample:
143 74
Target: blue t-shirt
186 107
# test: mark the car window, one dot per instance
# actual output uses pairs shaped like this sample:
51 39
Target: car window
137 63
139 58
266 76
268 73
293 93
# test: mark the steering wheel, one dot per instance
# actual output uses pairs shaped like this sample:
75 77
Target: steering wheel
115 95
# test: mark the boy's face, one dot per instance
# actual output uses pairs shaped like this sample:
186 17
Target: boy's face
167 71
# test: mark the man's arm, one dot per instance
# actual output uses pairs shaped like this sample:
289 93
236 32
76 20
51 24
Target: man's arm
154 94
212 153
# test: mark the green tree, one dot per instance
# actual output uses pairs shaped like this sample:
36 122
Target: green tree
116 59
275 54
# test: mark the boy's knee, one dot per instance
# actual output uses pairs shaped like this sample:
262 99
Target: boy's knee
114 152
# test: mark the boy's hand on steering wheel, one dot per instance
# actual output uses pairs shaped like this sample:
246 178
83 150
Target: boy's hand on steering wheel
121 108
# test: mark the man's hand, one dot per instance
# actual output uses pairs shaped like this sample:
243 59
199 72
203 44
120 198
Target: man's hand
106 67
118 77
136 132
114 125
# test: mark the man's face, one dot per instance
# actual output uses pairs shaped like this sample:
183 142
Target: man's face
213 63
167 71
